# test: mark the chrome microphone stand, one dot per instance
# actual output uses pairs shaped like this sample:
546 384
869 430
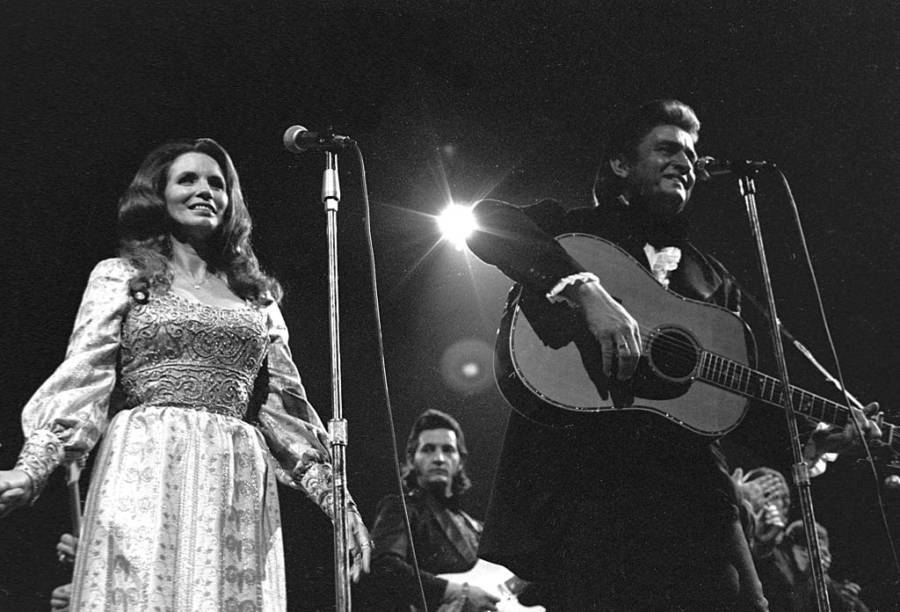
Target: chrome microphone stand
337 426
297 139
800 468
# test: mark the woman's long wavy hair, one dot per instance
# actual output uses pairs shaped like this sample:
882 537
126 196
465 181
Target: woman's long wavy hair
145 227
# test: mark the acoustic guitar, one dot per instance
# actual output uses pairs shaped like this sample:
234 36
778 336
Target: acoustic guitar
693 372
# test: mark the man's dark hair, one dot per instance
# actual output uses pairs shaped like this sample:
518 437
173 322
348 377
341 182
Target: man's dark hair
627 133
435 419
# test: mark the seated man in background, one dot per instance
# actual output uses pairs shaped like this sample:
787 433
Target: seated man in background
445 538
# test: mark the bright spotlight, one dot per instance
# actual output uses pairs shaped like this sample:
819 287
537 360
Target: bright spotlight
456 222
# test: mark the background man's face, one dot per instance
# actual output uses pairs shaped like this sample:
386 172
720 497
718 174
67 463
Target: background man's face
437 460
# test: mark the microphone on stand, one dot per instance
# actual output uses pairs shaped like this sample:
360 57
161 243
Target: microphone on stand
709 167
297 139
892 483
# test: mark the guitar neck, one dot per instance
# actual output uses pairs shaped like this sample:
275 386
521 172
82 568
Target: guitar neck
738 378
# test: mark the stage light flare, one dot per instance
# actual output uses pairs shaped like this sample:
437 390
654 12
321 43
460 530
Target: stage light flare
466 366
456 223
470 369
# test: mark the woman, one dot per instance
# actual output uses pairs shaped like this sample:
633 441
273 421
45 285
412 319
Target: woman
179 358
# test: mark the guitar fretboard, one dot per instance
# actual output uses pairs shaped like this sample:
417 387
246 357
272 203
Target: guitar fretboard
737 377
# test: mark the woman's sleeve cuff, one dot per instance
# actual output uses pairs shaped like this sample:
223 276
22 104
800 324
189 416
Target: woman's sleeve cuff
41 454
316 481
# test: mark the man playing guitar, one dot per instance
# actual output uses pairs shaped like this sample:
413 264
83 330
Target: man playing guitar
621 509
445 537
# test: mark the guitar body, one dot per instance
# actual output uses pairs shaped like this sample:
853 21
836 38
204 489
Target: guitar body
554 385
496 580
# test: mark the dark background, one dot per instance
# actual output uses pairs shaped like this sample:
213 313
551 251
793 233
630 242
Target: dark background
450 99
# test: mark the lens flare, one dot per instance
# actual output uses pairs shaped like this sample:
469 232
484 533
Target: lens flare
456 223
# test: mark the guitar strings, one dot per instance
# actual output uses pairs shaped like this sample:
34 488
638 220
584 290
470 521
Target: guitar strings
678 348
649 337
681 351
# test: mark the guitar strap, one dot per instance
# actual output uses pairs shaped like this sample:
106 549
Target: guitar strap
463 538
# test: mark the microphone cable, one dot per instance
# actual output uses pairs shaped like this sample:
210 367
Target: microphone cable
370 251
840 376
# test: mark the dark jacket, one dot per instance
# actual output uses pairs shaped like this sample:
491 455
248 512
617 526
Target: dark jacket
621 498
446 541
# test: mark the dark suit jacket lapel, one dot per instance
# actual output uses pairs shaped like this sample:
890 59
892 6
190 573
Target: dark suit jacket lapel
450 529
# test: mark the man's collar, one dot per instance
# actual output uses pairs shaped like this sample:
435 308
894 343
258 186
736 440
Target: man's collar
451 502
641 226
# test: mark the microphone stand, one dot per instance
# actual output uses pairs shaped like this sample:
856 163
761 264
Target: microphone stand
337 426
801 348
800 468
73 475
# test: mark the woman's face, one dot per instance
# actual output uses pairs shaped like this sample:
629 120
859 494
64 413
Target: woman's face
196 196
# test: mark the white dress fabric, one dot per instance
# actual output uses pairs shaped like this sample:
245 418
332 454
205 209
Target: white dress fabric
200 409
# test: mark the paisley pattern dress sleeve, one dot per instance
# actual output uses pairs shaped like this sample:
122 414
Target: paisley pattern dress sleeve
68 413
293 430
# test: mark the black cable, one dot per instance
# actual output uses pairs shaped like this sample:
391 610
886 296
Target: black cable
383 369
869 458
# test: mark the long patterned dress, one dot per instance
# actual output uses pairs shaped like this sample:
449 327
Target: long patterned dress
200 409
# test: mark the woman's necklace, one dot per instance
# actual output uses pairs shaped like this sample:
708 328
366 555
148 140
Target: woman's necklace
201 283
196 284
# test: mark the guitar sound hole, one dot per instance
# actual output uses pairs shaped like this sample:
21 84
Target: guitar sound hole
673 353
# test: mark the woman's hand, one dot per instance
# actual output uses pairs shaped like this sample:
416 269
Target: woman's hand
360 544
66 547
60 598
762 490
15 490
769 530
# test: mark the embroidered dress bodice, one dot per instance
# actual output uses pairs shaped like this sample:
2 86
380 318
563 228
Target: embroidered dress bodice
178 352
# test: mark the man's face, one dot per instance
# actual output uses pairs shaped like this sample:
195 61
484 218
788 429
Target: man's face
437 460
660 172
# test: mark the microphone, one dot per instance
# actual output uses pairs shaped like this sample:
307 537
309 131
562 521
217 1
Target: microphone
892 483
297 139
708 167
